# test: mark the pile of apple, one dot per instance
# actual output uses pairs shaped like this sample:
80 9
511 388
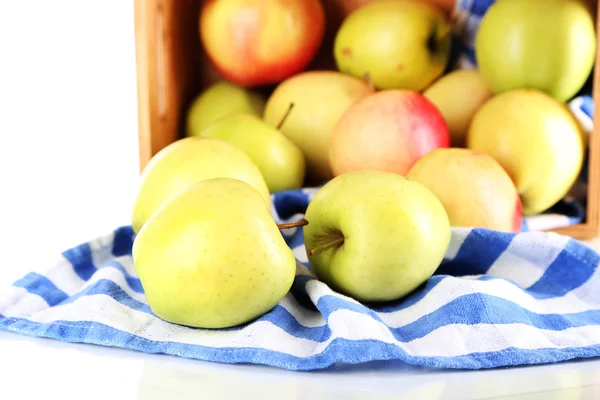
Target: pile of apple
405 148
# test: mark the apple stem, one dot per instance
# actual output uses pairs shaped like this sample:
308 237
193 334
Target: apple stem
285 116
325 246
369 81
290 225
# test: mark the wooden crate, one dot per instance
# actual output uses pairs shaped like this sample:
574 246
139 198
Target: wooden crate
172 68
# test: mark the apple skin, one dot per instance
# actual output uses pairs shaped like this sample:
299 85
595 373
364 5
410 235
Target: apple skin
212 256
320 98
185 162
458 95
402 44
280 161
395 234
546 45
260 42
473 187
387 131
536 139
219 100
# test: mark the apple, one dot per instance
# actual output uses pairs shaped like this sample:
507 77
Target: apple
256 42
279 160
402 44
212 256
458 95
219 100
375 235
319 99
387 131
536 139
546 45
185 162
473 187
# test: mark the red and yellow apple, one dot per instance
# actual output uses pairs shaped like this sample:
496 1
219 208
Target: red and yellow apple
260 42
473 187
537 141
387 131
320 98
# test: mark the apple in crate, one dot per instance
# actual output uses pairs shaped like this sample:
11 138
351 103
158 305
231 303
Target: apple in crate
537 141
402 44
280 161
212 256
458 95
260 42
319 99
375 236
387 131
473 187
548 45
219 100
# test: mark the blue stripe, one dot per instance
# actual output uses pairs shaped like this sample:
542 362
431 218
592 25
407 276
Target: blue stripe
43 287
479 251
574 265
469 309
339 350
134 283
123 241
81 259
587 106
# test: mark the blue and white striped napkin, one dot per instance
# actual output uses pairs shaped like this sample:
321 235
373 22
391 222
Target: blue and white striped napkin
497 300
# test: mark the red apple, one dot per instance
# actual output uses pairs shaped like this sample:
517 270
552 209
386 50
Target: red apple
387 131
260 42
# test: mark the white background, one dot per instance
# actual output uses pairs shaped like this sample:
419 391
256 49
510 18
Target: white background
68 126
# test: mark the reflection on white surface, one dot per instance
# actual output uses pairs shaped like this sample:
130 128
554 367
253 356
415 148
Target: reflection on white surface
48 368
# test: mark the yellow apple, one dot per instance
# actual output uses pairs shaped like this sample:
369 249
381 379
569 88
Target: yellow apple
537 141
474 189
319 98
402 44
213 257
185 162
458 95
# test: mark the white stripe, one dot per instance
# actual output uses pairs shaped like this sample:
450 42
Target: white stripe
448 341
456 241
18 301
528 256
101 248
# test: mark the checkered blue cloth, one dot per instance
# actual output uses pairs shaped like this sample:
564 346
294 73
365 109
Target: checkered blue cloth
496 300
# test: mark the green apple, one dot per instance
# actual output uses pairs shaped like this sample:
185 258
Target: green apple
402 44
213 257
537 141
548 45
458 95
280 161
185 162
375 235
219 100
319 98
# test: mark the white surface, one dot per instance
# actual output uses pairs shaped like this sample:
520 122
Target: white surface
68 167
68 125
